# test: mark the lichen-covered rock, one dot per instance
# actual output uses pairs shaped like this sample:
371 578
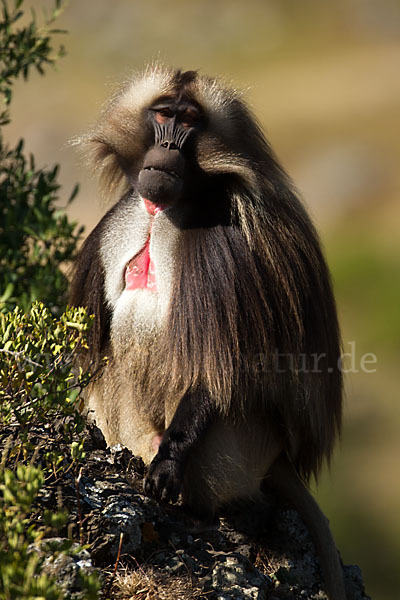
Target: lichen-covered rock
234 576
69 569
161 549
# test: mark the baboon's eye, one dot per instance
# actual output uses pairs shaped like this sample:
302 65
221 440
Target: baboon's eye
190 117
162 115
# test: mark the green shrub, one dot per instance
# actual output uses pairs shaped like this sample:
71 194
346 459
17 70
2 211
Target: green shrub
20 568
36 238
40 387
38 380
40 422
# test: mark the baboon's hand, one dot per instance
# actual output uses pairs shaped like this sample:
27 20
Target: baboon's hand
164 479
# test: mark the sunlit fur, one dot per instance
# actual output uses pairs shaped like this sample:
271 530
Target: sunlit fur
261 285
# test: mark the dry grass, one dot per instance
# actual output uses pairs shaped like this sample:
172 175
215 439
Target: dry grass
148 584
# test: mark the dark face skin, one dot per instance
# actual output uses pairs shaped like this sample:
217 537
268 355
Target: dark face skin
162 177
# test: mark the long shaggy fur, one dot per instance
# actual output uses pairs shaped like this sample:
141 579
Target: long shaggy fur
251 303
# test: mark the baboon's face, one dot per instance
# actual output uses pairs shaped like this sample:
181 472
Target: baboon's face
173 123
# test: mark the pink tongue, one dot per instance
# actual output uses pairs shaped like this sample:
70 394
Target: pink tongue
139 273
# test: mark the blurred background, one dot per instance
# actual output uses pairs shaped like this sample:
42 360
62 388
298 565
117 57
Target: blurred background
324 80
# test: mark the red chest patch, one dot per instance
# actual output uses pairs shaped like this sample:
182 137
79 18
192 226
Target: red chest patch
140 270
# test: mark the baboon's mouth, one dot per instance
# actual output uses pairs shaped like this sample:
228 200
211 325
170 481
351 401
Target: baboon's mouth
160 181
173 174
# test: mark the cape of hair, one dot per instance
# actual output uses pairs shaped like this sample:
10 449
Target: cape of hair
257 323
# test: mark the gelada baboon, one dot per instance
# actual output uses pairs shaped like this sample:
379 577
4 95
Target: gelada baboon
212 300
